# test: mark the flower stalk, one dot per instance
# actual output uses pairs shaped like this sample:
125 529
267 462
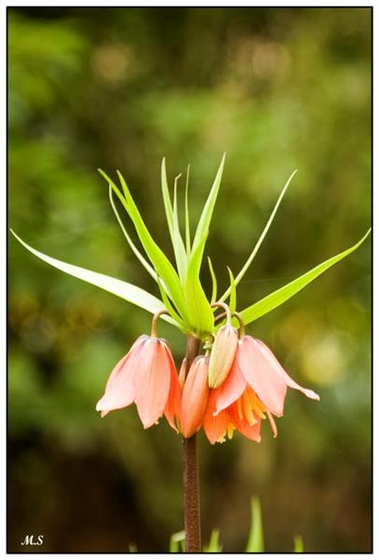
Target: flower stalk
191 489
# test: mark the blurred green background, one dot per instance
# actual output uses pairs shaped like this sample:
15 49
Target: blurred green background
277 89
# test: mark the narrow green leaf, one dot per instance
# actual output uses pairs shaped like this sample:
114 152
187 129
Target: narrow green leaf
158 259
281 295
214 281
139 256
177 241
245 267
200 313
206 215
233 293
255 541
124 290
186 210
170 308
166 194
173 223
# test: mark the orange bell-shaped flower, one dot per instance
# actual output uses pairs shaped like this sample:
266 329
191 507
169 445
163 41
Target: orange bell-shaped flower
255 388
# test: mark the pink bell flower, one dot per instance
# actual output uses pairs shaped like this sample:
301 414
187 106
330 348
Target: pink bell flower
254 389
148 377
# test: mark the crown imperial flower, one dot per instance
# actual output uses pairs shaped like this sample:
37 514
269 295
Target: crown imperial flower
254 388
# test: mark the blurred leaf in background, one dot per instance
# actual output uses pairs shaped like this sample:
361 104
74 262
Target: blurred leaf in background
119 88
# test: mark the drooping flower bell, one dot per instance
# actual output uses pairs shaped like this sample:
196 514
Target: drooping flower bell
148 377
194 399
254 388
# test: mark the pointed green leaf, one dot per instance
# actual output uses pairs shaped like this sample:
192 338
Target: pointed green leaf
206 215
139 256
169 307
173 223
177 241
158 259
187 222
200 314
281 295
214 281
255 540
124 290
243 270
233 292
166 195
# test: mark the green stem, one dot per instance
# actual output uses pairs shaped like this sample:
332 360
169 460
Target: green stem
190 471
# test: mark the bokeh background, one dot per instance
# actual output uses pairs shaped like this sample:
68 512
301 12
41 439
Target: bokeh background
275 88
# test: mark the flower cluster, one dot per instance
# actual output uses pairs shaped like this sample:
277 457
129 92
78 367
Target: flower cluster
233 386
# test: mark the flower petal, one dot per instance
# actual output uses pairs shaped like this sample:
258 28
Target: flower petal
182 373
283 374
249 430
172 408
120 390
231 389
262 371
215 425
152 381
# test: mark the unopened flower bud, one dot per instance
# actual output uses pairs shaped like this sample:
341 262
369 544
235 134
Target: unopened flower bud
222 355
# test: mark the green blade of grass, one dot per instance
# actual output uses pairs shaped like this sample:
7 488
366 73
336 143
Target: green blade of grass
255 541
281 295
214 543
298 544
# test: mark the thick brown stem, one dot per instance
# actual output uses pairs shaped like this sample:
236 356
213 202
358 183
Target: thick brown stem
190 471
